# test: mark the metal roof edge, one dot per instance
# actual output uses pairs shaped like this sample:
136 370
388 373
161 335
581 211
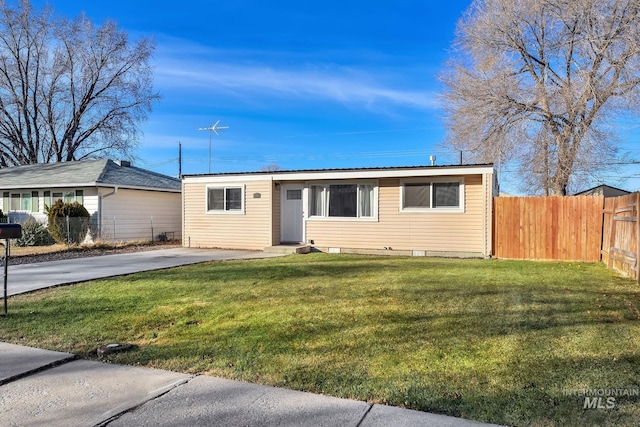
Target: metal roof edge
333 174
380 168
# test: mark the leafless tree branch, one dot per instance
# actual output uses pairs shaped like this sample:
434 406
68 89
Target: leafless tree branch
539 81
69 89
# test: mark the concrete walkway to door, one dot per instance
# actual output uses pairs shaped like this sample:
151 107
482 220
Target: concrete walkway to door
30 277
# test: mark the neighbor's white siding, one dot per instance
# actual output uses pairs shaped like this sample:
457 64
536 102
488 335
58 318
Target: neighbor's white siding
42 202
90 201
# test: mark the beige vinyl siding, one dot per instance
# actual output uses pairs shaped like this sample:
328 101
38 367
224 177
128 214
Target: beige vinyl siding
275 219
489 184
251 230
428 231
132 215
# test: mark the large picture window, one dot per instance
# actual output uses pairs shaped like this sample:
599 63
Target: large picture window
426 196
225 199
342 200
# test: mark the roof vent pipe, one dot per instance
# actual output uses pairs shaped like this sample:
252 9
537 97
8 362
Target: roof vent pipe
433 160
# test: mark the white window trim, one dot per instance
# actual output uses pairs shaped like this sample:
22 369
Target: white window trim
50 200
430 210
224 211
21 193
325 214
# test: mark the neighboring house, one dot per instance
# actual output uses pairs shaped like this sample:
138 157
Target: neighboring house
126 203
604 190
425 210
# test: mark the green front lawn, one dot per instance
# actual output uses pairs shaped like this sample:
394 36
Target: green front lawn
495 341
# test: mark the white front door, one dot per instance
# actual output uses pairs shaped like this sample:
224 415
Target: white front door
291 214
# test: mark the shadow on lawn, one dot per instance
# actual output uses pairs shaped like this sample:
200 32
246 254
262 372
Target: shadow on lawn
534 401
421 341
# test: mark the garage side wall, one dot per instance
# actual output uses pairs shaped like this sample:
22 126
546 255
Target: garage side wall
140 215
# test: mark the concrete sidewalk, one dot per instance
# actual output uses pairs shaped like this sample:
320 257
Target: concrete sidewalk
40 387
29 277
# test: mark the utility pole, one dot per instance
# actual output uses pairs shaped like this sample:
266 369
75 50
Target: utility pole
179 160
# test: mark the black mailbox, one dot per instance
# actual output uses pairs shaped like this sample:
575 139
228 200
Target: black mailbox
10 231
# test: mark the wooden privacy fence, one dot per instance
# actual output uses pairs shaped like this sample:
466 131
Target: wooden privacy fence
548 228
621 234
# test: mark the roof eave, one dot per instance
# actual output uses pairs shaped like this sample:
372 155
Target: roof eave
91 185
338 174
143 188
34 186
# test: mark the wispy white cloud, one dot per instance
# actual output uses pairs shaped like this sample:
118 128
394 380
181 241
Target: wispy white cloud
247 81
251 75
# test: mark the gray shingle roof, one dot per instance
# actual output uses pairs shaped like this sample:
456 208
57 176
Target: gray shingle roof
85 173
605 190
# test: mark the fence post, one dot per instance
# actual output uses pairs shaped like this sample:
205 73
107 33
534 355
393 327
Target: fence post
612 232
638 237
67 223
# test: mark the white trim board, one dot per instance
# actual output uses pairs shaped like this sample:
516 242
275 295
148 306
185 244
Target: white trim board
335 175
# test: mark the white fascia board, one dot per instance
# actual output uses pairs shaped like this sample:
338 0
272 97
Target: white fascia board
133 187
47 186
88 185
375 174
335 175
227 179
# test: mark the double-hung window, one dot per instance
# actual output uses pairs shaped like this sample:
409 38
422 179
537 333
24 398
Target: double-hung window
21 201
68 196
428 196
225 199
346 200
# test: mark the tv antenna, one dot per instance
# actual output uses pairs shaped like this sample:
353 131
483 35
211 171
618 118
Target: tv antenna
214 128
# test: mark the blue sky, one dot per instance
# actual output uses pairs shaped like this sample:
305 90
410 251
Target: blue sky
300 84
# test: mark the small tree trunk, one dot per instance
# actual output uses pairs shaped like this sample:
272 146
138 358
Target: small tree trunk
559 185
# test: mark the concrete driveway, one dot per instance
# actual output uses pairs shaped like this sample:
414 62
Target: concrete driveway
30 277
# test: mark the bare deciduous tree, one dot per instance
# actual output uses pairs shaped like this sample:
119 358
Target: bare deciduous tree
69 90
539 82
271 167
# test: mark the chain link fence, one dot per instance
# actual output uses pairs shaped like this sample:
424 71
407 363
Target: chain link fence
70 230
113 229
141 228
